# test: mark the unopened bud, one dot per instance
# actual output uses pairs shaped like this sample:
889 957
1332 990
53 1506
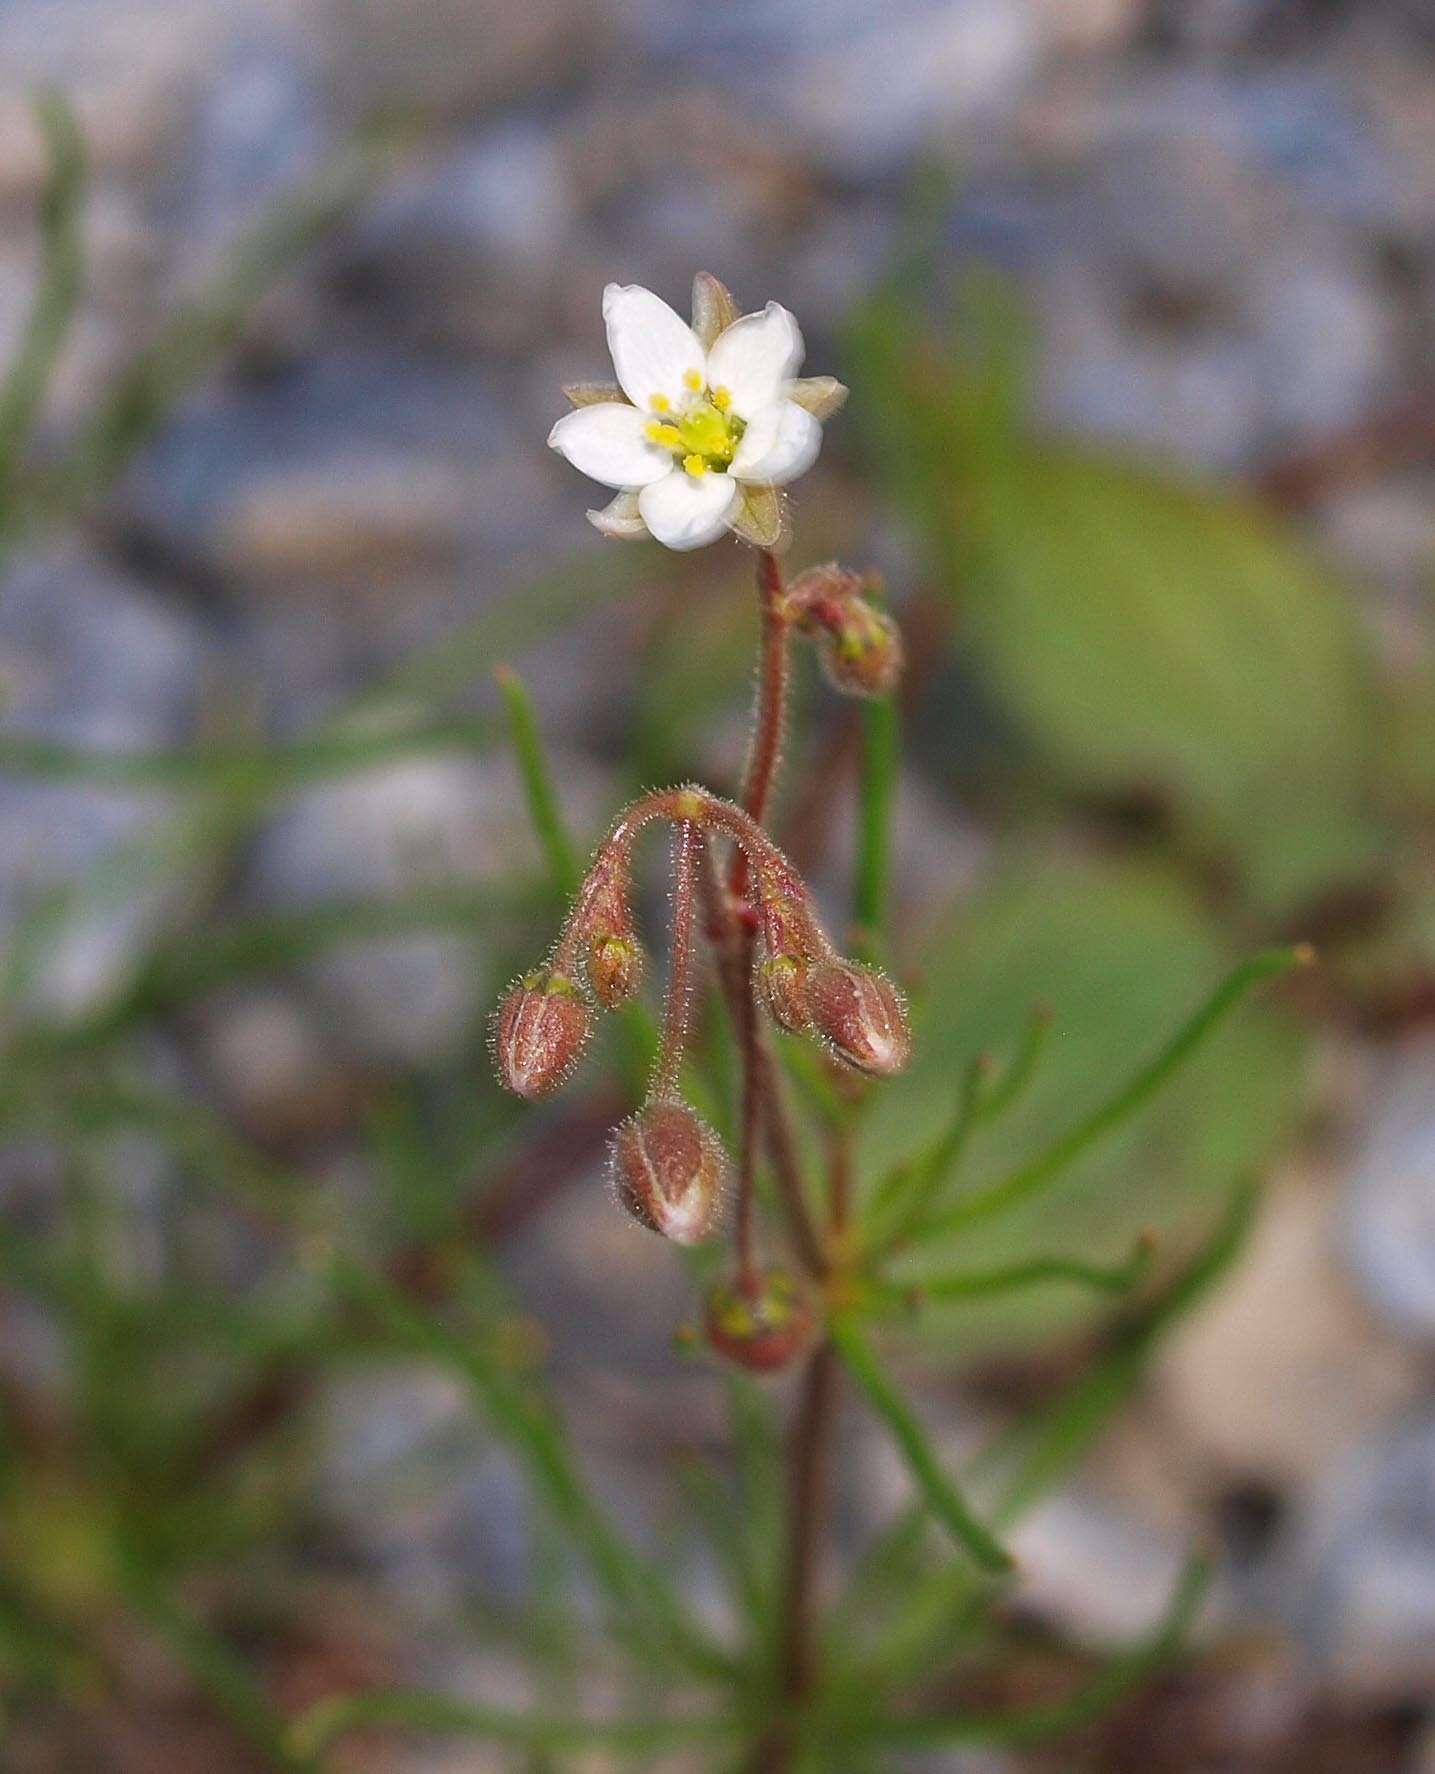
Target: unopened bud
760 1323
862 651
861 1016
615 969
669 1170
781 980
539 1033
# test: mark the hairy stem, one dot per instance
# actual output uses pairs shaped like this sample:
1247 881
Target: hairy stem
678 1003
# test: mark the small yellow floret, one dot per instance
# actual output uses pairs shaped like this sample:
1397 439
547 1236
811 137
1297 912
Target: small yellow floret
660 403
692 380
722 399
695 466
666 435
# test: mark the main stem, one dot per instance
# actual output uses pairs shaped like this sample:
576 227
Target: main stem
811 1440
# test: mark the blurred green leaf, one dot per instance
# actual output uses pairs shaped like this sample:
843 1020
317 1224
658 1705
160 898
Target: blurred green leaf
922 1459
1149 633
1119 954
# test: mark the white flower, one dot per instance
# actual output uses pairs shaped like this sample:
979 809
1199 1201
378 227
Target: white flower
713 422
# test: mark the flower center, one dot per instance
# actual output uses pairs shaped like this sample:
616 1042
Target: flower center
702 433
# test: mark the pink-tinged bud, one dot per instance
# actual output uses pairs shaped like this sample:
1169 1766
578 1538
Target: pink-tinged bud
615 969
861 1016
761 1323
782 981
669 1170
862 651
612 954
539 1033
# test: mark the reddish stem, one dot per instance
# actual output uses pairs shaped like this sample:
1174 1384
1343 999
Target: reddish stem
769 712
678 1002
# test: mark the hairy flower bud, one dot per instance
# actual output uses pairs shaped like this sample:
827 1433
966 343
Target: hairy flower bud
612 954
615 969
539 1033
861 651
669 1170
781 980
760 1323
861 1016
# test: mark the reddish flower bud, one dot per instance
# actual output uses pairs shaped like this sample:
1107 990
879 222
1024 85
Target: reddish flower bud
539 1033
612 954
615 969
761 1323
781 980
861 1016
669 1170
862 651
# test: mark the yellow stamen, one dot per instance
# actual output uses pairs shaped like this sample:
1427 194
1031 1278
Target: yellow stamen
722 399
660 403
666 435
692 380
695 466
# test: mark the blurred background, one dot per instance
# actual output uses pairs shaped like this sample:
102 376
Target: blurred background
1137 300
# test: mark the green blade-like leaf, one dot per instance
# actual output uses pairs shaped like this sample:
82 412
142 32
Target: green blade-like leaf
944 1287
1091 1702
922 1460
635 1586
323 1725
881 758
564 867
58 292
1044 1169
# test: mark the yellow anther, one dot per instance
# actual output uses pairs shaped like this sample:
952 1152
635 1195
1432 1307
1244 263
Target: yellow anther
695 466
692 380
660 403
666 435
722 399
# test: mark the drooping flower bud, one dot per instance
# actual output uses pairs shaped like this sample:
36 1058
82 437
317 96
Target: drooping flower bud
760 1323
539 1033
861 652
612 954
615 969
669 1170
861 1016
781 980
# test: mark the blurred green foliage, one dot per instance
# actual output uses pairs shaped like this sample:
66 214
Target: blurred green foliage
1144 637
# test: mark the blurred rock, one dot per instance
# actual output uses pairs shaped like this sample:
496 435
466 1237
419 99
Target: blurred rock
274 1069
451 59
89 659
1389 1218
1359 1585
1281 1369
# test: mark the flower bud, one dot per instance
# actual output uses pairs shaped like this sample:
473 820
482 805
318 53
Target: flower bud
861 1016
861 652
760 1323
615 969
539 1033
781 980
669 1170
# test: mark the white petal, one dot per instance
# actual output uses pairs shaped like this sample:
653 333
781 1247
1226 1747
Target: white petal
781 442
608 442
653 348
687 510
754 357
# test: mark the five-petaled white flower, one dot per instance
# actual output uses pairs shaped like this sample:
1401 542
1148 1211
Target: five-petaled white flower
718 420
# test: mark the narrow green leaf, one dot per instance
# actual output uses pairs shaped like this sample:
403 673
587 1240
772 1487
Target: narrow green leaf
564 868
519 1414
922 1461
1090 1702
1045 1168
881 749
61 280
942 1288
323 1725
